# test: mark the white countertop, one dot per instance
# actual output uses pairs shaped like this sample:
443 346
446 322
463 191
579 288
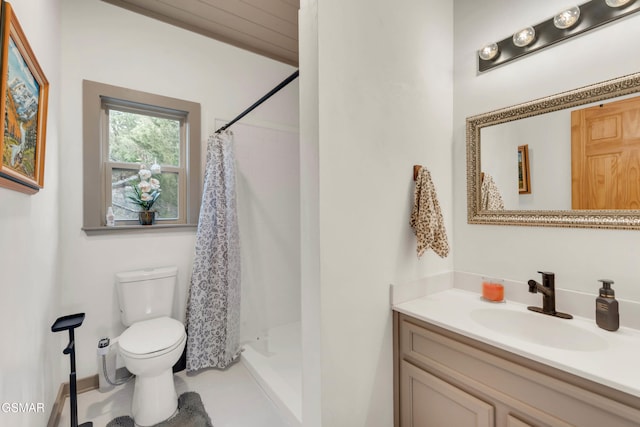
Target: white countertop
608 358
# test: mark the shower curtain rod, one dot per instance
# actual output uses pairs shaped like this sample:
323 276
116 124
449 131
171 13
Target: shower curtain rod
261 100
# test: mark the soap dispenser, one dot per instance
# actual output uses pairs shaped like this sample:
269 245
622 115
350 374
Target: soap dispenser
607 316
110 217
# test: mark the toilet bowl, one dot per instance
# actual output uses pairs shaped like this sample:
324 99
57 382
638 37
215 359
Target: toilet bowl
153 342
149 349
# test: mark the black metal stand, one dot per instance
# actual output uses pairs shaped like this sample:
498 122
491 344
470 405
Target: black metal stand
69 323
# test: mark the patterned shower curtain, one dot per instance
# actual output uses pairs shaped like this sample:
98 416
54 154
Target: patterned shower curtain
213 307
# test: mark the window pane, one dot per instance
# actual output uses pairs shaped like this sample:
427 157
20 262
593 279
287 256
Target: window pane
167 204
122 182
138 138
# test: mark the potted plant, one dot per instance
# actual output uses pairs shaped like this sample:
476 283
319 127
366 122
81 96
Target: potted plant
145 193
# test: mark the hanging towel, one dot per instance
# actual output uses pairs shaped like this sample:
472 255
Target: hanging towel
426 217
213 306
491 198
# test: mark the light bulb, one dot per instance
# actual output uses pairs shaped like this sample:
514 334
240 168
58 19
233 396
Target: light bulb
489 51
617 3
524 37
567 18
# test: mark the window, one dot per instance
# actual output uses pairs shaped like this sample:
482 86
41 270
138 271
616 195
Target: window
138 140
126 130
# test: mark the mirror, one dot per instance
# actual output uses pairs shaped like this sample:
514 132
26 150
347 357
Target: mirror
497 142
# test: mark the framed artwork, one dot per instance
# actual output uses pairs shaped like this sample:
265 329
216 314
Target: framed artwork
524 182
24 90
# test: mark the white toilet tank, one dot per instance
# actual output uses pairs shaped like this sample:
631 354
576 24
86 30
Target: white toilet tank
146 294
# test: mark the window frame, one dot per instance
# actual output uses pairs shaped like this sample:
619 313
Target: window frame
111 104
98 98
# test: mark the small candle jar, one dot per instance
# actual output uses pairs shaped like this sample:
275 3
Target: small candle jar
492 289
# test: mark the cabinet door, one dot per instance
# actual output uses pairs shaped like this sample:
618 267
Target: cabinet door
514 422
428 401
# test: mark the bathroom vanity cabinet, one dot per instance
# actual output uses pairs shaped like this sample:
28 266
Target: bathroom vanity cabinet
444 379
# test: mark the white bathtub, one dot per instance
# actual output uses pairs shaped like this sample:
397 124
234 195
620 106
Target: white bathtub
275 361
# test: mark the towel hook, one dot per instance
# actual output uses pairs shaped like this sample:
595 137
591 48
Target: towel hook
416 170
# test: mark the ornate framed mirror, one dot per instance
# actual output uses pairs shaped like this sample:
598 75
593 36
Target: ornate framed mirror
556 169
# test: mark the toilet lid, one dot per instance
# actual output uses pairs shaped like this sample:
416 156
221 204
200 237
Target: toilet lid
150 336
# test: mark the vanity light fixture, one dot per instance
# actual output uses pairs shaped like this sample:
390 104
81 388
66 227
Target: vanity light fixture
489 51
617 3
567 18
567 23
524 37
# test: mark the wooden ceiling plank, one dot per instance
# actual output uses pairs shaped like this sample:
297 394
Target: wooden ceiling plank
241 13
244 10
283 9
220 25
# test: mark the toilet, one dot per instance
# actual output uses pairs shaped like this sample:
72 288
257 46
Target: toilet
153 341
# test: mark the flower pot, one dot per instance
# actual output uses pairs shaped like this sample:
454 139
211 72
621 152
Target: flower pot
147 217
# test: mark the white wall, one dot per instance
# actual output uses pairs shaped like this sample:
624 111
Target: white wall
31 357
579 257
310 214
111 45
384 87
549 146
268 197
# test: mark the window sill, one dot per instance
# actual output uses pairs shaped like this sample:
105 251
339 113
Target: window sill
126 229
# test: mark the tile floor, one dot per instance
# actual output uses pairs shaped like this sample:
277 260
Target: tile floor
231 397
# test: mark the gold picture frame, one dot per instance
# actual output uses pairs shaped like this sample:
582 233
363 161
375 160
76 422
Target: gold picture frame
524 180
23 107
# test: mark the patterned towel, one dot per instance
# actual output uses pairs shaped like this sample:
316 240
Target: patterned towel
426 217
491 198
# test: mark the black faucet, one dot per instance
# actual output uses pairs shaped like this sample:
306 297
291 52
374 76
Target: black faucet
548 289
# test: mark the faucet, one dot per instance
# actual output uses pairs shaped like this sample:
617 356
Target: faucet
548 290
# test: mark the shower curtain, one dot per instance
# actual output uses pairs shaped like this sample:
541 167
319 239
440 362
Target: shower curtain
213 306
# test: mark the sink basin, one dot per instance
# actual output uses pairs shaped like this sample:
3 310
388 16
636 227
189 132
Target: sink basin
539 329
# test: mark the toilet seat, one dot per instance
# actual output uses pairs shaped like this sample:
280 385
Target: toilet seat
152 338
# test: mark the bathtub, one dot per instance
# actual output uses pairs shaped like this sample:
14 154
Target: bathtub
275 361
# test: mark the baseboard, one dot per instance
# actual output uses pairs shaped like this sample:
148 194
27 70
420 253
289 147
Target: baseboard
82 385
56 409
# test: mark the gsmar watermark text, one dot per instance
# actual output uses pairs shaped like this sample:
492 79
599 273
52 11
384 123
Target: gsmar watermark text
21 407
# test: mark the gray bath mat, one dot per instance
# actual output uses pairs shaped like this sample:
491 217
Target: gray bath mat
191 413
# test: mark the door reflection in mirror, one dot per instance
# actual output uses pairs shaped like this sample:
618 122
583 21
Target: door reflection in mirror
605 156
565 166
